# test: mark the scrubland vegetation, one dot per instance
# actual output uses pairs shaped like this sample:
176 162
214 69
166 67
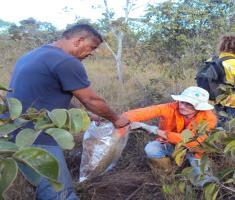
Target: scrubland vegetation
161 54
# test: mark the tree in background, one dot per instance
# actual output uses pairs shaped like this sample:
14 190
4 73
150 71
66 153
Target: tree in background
175 27
175 34
15 40
35 32
118 29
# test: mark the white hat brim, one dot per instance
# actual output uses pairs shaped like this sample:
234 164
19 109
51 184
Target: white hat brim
204 106
197 105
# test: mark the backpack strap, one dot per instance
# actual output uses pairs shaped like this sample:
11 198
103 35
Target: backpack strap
226 58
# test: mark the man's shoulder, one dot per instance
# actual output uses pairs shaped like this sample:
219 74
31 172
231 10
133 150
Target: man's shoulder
52 51
54 57
46 53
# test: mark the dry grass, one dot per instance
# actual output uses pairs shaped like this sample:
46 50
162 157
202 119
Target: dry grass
141 87
10 51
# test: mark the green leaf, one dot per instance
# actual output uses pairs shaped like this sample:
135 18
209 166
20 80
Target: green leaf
6 147
168 189
202 127
228 139
187 171
230 180
223 114
177 150
86 121
233 153
224 87
43 123
179 145
189 193
39 160
224 173
216 136
15 108
34 114
230 125
179 158
20 121
7 128
211 191
3 87
58 117
181 187
186 135
220 98
3 122
209 148
204 163
75 120
8 173
26 137
229 146
62 137
3 108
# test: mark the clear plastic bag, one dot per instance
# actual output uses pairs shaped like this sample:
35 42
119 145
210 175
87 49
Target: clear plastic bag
102 147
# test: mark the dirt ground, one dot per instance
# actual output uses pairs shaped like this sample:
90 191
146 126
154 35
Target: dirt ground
130 179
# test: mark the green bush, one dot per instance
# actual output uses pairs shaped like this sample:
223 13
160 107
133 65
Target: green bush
58 123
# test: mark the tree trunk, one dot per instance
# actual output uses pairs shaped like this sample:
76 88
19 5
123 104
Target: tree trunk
118 57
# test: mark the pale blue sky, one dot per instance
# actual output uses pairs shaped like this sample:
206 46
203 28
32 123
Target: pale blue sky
52 10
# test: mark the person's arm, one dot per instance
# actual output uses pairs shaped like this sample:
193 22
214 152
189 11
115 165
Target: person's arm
97 105
145 114
73 78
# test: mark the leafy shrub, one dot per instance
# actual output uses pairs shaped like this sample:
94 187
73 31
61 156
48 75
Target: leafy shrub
219 148
58 123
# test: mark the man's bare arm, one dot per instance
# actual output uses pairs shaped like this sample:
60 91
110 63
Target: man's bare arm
97 105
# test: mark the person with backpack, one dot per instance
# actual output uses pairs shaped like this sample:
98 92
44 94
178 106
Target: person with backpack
189 109
218 71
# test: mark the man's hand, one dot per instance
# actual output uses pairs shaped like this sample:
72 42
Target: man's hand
121 122
162 134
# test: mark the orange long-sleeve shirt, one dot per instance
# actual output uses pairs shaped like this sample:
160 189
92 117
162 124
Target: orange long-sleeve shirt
172 121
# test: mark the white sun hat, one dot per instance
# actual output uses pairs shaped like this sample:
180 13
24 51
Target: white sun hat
196 96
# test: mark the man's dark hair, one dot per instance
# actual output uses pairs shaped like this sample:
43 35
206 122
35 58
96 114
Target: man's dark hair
227 44
79 28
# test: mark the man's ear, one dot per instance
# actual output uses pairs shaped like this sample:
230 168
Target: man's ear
77 41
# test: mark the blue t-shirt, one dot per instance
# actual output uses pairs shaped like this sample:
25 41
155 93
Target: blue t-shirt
45 77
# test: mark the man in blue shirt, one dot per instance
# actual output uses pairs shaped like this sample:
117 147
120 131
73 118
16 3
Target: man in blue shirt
48 77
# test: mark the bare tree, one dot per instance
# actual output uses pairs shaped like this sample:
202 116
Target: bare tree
117 30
